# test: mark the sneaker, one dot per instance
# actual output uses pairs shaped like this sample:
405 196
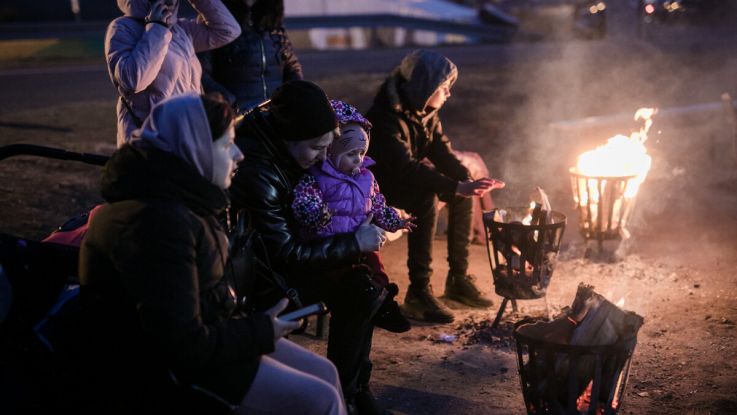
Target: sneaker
421 304
389 317
463 290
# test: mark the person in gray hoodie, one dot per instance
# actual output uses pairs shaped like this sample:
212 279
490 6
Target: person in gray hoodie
415 166
156 303
150 53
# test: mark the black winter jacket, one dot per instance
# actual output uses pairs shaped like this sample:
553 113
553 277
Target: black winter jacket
401 144
248 70
263 186
153 261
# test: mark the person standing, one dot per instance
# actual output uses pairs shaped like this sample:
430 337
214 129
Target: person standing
415 166
150 53
248 70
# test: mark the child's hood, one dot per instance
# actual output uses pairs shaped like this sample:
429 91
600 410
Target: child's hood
424 71
327 168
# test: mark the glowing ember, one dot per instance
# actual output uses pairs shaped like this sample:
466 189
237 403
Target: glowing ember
622 156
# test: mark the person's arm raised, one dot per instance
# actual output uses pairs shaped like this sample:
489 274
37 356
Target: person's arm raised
134 52
214 26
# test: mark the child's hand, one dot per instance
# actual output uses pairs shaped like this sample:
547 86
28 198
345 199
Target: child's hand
408 224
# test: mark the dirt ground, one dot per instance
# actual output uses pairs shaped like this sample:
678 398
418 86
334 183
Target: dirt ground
679 273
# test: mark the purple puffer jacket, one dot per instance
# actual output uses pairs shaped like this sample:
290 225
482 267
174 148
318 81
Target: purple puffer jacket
148 63
328 202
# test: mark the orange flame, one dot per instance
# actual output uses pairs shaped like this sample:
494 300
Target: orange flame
621 156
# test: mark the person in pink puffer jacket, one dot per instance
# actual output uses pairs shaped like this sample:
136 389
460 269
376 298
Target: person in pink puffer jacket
150 53
340 193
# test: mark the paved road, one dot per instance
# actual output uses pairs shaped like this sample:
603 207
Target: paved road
37 88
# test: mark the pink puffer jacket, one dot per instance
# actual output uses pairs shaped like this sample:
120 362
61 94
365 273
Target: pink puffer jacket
148 63
348 197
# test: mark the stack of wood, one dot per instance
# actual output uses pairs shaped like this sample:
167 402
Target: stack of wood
590 321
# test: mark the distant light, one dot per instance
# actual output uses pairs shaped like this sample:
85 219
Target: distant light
593 9
601 6
649 9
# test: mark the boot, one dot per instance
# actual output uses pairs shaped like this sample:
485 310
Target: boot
360 294
366 403
461 288
389 317
421 304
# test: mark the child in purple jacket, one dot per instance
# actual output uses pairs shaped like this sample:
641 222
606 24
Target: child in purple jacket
341 193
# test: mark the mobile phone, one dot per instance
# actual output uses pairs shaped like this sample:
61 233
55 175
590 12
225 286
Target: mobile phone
310 310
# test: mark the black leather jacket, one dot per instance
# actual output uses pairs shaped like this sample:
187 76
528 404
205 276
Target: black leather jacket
248 70
264 187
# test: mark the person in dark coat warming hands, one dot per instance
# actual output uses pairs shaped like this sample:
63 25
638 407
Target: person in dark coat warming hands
415 166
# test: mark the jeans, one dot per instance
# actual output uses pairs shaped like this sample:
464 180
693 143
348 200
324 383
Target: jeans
351 331
420 240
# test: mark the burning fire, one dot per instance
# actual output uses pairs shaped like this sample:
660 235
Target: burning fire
621 156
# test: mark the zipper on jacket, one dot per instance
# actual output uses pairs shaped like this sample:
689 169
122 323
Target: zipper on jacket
263 67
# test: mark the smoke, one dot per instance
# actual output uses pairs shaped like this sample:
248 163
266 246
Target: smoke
580 93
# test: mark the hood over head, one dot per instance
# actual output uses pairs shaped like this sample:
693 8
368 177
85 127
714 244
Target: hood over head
352 139
148 173
179 126
140 8
422 72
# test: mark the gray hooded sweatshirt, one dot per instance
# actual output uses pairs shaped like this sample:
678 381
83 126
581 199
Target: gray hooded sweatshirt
179 126
148 62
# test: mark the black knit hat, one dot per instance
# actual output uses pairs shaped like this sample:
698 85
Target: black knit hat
300 110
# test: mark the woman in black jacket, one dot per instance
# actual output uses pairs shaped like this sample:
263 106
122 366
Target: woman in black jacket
281 142
151 270
248 70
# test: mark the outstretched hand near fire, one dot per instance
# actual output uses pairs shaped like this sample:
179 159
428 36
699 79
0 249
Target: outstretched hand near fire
478 187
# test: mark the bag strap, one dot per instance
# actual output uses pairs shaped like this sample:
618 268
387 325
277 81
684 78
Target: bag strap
136 119
277 278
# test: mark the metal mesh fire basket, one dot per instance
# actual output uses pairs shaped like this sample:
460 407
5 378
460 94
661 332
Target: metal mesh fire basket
566 379
604 205
522 245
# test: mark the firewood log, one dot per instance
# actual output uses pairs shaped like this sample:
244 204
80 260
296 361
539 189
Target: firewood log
599 323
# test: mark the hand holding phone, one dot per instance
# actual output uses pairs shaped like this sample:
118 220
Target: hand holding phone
281 327
310 310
